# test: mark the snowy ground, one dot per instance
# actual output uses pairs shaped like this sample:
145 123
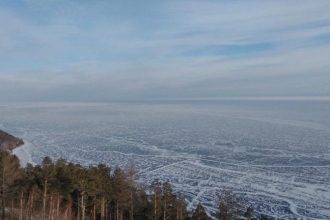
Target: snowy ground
23 153
275 156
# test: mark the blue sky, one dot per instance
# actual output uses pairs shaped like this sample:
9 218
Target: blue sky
70 50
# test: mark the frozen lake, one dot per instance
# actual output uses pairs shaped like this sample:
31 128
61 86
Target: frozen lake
275 154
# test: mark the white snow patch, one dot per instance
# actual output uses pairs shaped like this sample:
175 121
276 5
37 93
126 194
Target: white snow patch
23 154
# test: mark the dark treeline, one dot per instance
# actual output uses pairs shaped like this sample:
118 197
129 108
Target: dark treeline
64 191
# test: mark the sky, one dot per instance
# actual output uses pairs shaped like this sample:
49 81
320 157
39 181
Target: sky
103 50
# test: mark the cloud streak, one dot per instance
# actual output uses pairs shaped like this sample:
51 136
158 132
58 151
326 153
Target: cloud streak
78 50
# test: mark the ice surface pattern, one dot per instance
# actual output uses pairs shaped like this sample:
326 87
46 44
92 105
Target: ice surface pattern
276 155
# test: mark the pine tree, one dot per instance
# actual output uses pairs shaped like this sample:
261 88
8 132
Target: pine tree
9 172
156 199
143 207
229 207
63 185
168 202
45 175
85 187
181 208
69 191
131 181
26 185
264 217
121 192
199 213
249 213
103 190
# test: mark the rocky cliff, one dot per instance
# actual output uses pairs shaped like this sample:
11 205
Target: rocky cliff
9 142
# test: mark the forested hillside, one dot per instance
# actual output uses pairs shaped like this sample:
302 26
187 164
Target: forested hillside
9 142
63 191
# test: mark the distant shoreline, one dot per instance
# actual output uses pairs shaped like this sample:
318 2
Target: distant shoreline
183 99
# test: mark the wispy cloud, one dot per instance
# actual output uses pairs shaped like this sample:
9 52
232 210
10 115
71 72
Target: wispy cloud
82 50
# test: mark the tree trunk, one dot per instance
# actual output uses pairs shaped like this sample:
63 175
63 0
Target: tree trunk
21 207
50 213
12 209
102 208
58 206
44 198
117 212
69 211
65 214
3 209
79 208
164 214
31 205
82 206
155 206
27 208
107 211
94 209
3 195
132 207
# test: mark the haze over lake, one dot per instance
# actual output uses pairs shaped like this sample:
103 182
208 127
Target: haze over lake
274 153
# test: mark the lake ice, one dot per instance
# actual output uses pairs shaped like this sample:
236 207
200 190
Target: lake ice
274 154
